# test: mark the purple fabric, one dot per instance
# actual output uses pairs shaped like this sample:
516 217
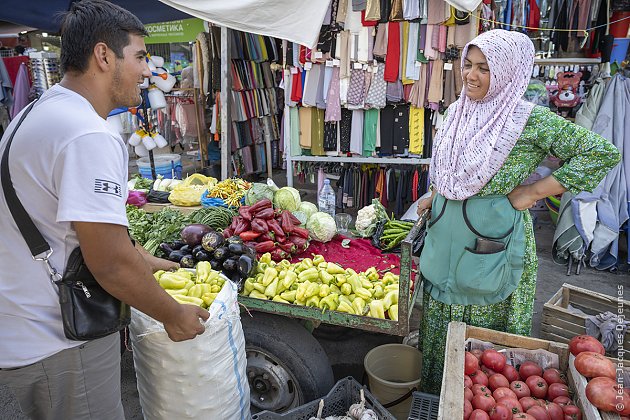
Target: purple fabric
20 91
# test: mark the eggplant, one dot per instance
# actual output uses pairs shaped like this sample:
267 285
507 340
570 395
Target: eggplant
196 249
221 254
166 248
177 244
246 265
186 249
230 265
237 249
193 233
216 265
211 241
234 240
202 255
176 256
251 251
187 262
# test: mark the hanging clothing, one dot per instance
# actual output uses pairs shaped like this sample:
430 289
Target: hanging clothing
356 134
380 42
345 128
416 130
393 52
333 100
370 128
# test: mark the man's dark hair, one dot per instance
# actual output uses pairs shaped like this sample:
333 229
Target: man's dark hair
89 22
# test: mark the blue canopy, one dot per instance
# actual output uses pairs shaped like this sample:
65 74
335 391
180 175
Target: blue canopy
43 14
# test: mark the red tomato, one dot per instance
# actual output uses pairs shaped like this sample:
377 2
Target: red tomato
603 392
493 359
537 386
468 394
503 392
480 389
471 363
529 402
538 413
528 369
512 404
477 353
562 401
467 409
511 373
523 416
553 376
479 415
479 378
520 389
468 382
500 412
554 411
557 390
497 381
483 402
489 372
572 412
592 365
581 343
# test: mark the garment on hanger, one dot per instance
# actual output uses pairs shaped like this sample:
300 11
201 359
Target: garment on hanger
416 130
373 10
412 70
380 42
345 128
370 128
436 85
376 96
356 89
393 52
330 136
333 101
356 134
317 132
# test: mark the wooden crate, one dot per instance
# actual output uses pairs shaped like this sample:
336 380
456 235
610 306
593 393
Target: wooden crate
560 325
452 393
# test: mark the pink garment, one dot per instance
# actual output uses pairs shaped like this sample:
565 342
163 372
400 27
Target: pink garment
20 92
476 137
333 99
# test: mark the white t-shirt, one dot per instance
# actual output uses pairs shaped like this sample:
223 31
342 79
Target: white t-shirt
66 165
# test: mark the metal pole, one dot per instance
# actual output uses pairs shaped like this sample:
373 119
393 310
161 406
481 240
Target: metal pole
226 118
147 127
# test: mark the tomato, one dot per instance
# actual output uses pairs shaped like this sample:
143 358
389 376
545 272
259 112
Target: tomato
483 402
529 402
503 392
537 386
523 416
572 412
479 415
520 389
557 390
538 413
467 409
554 411
468 394
471 363
510 373
603 392
562 401
489 372
479 378
480 389
497 381
477 353
553 376
512 404
592 365
468 383
493 359
527 369
581 343
500 412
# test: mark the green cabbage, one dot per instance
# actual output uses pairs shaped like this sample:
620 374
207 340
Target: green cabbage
308 208
258 192
301 216
321 226
287 198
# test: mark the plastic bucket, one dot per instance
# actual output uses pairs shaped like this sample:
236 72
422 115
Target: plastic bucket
163 165
393 370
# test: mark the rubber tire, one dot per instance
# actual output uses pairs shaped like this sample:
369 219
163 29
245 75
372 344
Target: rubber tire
295 346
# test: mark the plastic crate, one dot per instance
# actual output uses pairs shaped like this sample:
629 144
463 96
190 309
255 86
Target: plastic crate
345 393
424 406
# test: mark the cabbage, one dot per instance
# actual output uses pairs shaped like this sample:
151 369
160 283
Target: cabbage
258 192
287 198
301 216
308 208
321 226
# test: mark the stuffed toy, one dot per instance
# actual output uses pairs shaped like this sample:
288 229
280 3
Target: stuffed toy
566 97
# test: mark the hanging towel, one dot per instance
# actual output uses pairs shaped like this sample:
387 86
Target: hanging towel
393 52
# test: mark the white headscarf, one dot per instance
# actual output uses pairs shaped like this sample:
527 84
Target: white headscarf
477 136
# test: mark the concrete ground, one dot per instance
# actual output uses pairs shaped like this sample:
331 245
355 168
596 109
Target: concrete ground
347 348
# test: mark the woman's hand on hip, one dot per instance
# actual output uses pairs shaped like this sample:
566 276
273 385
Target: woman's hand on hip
522 198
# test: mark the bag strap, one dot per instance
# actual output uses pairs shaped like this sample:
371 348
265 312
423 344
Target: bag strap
33 237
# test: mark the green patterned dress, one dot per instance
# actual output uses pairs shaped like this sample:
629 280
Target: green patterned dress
588 158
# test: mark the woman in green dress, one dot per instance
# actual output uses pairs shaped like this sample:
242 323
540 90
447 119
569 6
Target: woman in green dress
490 142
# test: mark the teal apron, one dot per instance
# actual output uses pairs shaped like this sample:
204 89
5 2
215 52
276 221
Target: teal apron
473 251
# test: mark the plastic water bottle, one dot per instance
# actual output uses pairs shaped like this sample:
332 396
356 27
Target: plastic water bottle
326 199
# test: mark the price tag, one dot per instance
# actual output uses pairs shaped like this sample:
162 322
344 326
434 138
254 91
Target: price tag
294 70
357 66
308 65
319 54
336 63
448 66
329 63
365 67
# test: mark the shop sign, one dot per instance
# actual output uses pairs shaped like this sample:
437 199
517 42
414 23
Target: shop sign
185 30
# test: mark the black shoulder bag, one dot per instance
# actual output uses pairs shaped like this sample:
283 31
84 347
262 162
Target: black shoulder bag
87 310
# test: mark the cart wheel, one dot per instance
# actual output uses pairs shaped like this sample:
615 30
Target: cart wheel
286 366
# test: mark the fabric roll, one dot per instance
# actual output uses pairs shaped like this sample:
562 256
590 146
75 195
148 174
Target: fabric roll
333 101
393 52
380 42
436 84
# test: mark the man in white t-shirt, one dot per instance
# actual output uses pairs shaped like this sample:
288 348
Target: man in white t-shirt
70 171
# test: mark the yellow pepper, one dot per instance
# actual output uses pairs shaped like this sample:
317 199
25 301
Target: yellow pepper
313 301
272 289
335 289
158 274
326 277
279 299
322 265
345 307
390 299
358 304
393 312
183 273
306 263
195 291
282 274
176 291
208 298
363 293
188 300
346 289
301 290
312 290
203 271
256 294
284 264
289 279
389 278
334 269
324 290
391 287
299 302
248 287
372 274
259 287
308 274
354 281
215 288
329 302
366 283
259 278
265 258
378 291
270 274
317 259
289 295
376 309
171 281
189 284
214 277
261 267
341 279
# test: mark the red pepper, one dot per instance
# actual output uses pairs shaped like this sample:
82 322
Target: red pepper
260 226
275 227
301 232
262 204
227 232
244 212
267 236
300 242
241 226
235 220
279 255
264 246
249 235
287 223
289 247
264 214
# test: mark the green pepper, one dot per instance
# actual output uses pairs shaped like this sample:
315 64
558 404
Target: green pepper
354 281
176 291
393 312
259 287
203 271
188 300
376 309
285 264
346 289
289 278
270 274
326 277
334 269
378 291
389 278
312 290
208 298
317 259
272 289
345 307
391 298
324 290
172 281
313 301
248 287
289 295
308 274
265 258
344 298
279 299
306 264
158 274
261 267
340 279
258 295
372 274
366 283
329 302
301 291
335 289
359 305
391 287
195 291
363 293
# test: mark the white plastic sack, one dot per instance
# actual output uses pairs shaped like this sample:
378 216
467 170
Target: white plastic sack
202 378
412 211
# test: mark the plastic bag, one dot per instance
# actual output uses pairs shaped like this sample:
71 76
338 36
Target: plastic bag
158 196
187 195
137 198
199 179
202 378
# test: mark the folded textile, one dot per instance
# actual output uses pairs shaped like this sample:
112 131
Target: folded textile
608 328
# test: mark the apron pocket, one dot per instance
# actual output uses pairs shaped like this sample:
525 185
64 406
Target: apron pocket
482 274
434 268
